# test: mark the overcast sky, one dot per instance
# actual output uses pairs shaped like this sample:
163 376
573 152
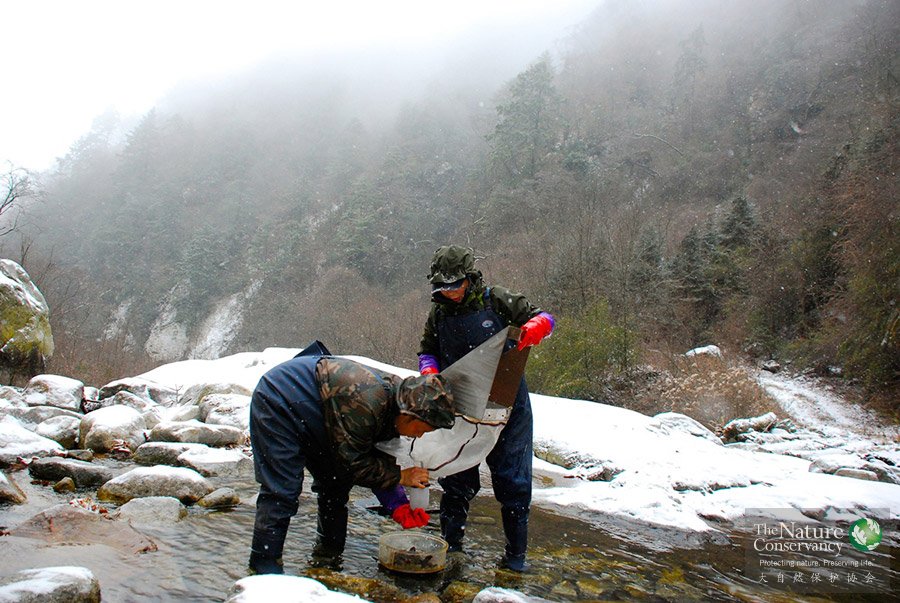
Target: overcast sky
67 61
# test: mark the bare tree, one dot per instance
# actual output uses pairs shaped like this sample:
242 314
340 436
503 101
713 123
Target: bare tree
16 185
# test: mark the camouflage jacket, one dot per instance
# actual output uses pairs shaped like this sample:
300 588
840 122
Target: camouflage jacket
359 408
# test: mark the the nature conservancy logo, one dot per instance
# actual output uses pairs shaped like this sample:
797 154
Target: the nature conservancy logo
865 535
787 549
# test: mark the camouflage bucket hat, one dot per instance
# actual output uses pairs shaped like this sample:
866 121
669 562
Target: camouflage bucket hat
452 263
427 398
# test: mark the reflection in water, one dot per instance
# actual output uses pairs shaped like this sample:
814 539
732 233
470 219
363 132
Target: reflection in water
200 558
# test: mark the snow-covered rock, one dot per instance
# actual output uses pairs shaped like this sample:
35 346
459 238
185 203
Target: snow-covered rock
107 428
54 390
62 429
16 441
186 485
226 409
65 584
195 431
32 416
25 335
152 510
10 396
284 589
216 461
142 388
85 475
673 422
707 350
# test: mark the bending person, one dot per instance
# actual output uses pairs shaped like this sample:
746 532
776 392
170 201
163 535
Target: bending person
327 414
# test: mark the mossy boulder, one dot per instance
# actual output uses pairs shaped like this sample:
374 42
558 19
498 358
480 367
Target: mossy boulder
26 341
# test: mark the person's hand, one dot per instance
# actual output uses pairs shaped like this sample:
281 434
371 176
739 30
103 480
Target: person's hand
535 330
408 517
430 370
414 477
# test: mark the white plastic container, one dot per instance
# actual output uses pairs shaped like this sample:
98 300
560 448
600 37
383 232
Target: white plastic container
419 497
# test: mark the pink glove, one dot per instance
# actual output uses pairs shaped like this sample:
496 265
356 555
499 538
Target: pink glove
410 518
535 330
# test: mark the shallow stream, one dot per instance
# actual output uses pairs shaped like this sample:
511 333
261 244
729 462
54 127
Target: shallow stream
200 557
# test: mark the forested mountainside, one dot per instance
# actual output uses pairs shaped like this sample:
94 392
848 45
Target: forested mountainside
671 174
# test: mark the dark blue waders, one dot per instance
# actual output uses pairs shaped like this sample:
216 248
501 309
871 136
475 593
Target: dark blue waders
287 433
510 459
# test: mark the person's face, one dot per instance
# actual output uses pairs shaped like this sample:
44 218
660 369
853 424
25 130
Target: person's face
457 295
408 425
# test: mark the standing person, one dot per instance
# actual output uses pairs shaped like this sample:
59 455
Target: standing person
464 314
327 414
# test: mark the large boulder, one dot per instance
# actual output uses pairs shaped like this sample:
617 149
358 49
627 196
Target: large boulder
195 431
16 441
85 475
26 341
163 453
54 390
141 388
67 584
32 416
217 462
186 485
109 428
69 524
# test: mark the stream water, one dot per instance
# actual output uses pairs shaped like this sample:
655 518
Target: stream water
200 557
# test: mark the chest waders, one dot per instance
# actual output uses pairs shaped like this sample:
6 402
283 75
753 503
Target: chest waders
287 433
510 459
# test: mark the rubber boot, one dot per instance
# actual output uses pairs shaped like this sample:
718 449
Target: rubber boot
269 531
331 533
265 564
454 511
515 527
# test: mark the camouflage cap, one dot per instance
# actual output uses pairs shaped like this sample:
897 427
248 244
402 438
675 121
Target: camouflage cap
428 398
452 263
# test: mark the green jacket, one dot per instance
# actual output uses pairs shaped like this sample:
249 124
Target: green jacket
359 407
511 307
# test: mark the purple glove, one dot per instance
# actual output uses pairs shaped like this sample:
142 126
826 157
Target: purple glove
428 364
392 498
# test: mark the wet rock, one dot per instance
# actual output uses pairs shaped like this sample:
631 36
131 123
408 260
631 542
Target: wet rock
9 491
221 498
226 409
67 584
423 598
267 588
80 454
16 441
62 429
85 475
369 588
66 484
216 461
54 390
186 485
69 524
458 592
857 474
108 428
195 431
152 509
673 422
163 453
